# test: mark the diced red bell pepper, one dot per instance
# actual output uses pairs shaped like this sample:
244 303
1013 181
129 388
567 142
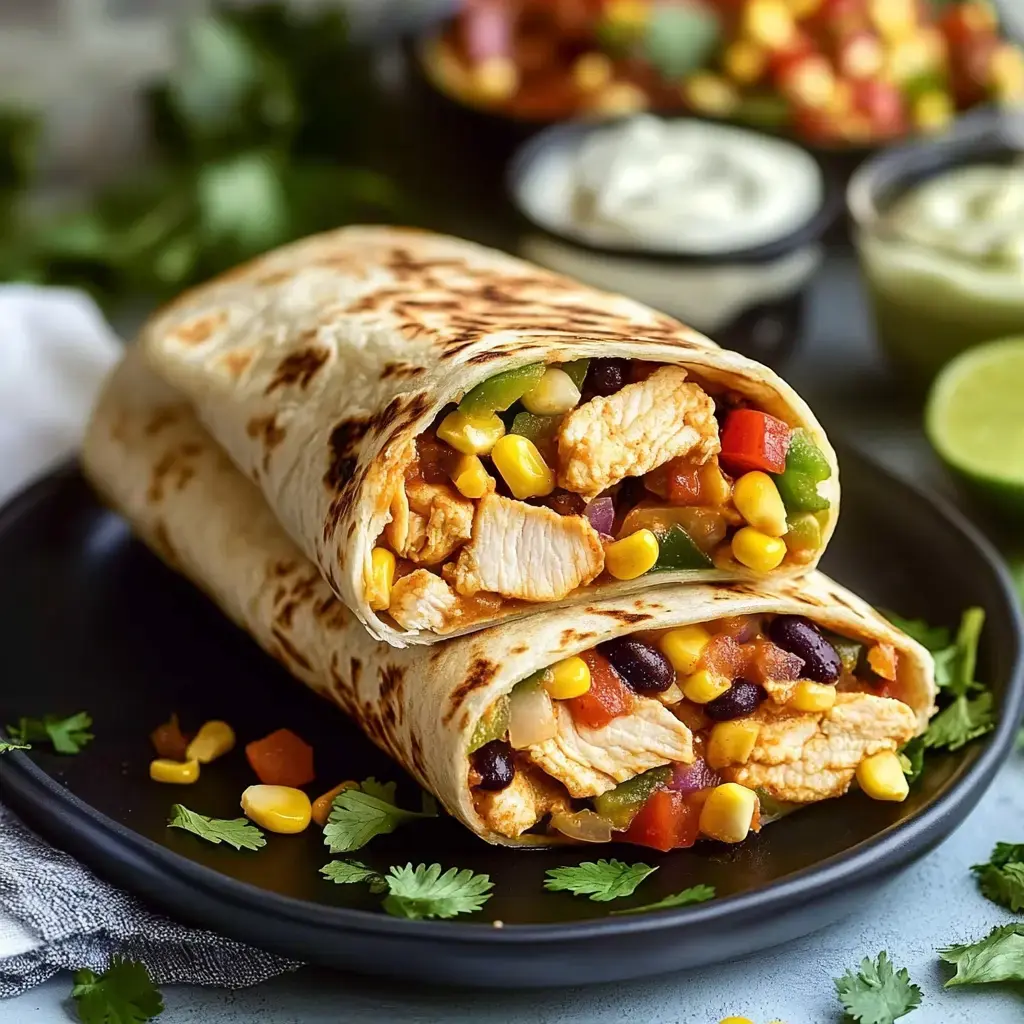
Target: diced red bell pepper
754 440
281 759
608 697
884 105
668 821
724 657
769 663
807 80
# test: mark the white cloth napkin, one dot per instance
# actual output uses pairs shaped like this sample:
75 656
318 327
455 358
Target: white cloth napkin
55 350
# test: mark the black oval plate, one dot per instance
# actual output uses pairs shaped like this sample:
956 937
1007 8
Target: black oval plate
90 620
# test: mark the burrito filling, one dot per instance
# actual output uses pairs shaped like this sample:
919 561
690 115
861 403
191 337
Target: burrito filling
545 478
664 737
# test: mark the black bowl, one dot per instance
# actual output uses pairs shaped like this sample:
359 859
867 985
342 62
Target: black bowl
90 620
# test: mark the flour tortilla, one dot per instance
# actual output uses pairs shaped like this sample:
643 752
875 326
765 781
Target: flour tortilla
317 365
147 454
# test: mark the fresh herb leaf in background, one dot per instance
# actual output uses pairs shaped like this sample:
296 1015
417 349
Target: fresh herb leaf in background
358 815
123 994
959 723
68 735
236 832
1002 878
5 746
911 756
347 872
934 638
680 38
424 891
877 993
601 880
997 957
695 894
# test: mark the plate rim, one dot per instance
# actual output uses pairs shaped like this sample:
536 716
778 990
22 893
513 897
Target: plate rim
893 846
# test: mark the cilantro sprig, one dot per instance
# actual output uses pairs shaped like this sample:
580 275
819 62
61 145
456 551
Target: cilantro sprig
5 746
358 815
123 994
600 880
420 892
350 872
1002 878
695 894
997 957
67 735
877 993
236 832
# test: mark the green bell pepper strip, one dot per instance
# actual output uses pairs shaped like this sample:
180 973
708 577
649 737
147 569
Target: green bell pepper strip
851 652
493 725
806 466
772 809
804 456
539 429
577 371
497 393
676 550
621 804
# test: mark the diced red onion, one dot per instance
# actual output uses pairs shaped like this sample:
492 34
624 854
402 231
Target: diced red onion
585 826
601 513
688 778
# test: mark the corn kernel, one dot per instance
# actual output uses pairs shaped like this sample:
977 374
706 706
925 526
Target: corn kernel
808 696
728 813
757 550
567 678
618 98
933 110
554 394
632 556
592 71
382 575
735 1020
703 687
744 61
732 743
757 499
496 79
471 435
684 646
325 801
881 777
523 467
277 808
179 773
213 740
470 477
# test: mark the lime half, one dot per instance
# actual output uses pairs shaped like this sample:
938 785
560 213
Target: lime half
975 419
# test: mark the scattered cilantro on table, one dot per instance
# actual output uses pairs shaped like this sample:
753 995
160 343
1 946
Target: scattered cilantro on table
997 957
347 872
123 994
695 894
68 735
236 832
358 815
601 880
422 891
1002 878
877 993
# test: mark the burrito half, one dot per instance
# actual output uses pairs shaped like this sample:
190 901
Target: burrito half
687 711
456 437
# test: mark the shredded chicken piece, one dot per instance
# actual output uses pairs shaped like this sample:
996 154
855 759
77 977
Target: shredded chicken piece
422 600
521 804
801 757
636 430
428 522
527 551
592 761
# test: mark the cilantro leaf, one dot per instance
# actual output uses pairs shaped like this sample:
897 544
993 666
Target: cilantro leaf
695 894
423 891
236 832
1006 853
911 756
933 638
956 658
601 880
1002 878
997 957
877 994
961 722
358 815
5 746
68 735
346 872
123 994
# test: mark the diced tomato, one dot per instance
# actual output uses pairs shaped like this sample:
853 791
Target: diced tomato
884 105
723 657
668 821
961 23
168 740
768 663
807 80
608 697
281 759
432 459
754 440
740 627
882 659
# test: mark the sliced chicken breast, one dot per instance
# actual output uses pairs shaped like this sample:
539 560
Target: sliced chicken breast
527 552
520 805
589 762
422 600
428 522
802 757
636 430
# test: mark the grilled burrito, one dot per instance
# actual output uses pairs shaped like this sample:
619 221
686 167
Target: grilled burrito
456 437
687 711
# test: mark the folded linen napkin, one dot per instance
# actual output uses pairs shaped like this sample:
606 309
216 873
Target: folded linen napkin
55 349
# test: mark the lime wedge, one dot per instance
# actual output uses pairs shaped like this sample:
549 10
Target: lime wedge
975 419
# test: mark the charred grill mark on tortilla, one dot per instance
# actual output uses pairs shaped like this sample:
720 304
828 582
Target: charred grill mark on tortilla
480 673
270 435
298 369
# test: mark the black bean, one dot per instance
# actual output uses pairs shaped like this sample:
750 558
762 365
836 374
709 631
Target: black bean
740 700
493 761
644 668
801 637
606 376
